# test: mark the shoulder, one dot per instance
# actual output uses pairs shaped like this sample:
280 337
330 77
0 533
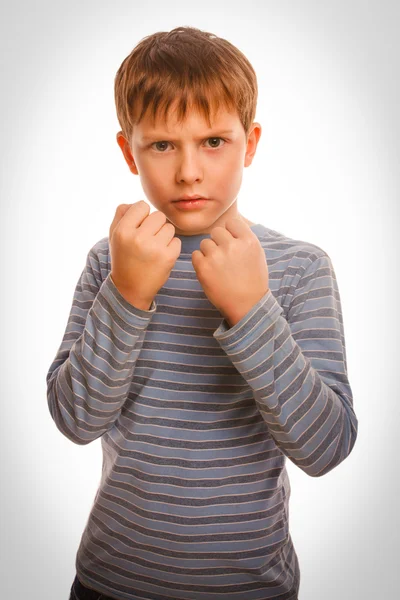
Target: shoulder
281 249
99 257
100 250
292 264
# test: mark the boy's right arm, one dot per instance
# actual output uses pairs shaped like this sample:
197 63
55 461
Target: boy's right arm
89 379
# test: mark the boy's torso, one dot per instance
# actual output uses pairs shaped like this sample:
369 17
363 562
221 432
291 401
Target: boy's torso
194 493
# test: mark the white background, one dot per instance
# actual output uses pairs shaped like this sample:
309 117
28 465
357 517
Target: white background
326 171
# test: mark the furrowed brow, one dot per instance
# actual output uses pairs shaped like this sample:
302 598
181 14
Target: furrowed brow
164 136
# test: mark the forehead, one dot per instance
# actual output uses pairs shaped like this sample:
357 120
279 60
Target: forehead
223 119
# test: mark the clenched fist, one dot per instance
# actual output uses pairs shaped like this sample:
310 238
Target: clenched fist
232 269
143 252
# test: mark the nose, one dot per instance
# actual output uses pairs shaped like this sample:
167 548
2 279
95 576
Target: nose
189 167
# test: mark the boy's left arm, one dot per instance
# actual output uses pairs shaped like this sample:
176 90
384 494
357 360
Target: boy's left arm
297 369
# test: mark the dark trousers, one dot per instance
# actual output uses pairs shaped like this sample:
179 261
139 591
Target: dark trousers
80 592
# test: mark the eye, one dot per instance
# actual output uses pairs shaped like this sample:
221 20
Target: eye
162 150
216 138
155 143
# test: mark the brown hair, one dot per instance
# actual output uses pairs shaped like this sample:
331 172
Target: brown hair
195 67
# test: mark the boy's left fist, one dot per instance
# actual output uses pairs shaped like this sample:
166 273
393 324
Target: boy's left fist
232 269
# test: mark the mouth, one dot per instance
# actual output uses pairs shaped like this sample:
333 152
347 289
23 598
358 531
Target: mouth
192 203
189 198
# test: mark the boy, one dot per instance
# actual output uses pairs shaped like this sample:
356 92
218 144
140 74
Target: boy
202 348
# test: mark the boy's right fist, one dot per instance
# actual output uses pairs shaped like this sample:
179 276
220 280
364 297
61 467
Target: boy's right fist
143 252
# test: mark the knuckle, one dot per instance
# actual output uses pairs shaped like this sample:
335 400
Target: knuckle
120 236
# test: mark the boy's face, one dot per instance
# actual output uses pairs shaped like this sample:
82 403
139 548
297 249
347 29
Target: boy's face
174 159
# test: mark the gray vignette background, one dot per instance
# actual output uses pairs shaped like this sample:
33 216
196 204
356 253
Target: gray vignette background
326 171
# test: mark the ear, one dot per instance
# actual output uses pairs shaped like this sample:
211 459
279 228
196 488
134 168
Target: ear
252 141
127 152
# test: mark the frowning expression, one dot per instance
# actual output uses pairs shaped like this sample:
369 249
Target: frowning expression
190 158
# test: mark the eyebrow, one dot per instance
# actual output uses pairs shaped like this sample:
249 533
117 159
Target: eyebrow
164 136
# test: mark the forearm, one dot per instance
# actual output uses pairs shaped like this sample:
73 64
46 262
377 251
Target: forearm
312 422
303 395
90 377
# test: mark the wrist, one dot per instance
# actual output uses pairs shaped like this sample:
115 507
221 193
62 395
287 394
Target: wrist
132 296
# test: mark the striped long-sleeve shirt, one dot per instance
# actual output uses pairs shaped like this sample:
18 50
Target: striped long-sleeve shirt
196 419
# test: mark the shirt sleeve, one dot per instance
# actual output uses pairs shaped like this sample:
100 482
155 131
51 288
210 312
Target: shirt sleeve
89 378
297 369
